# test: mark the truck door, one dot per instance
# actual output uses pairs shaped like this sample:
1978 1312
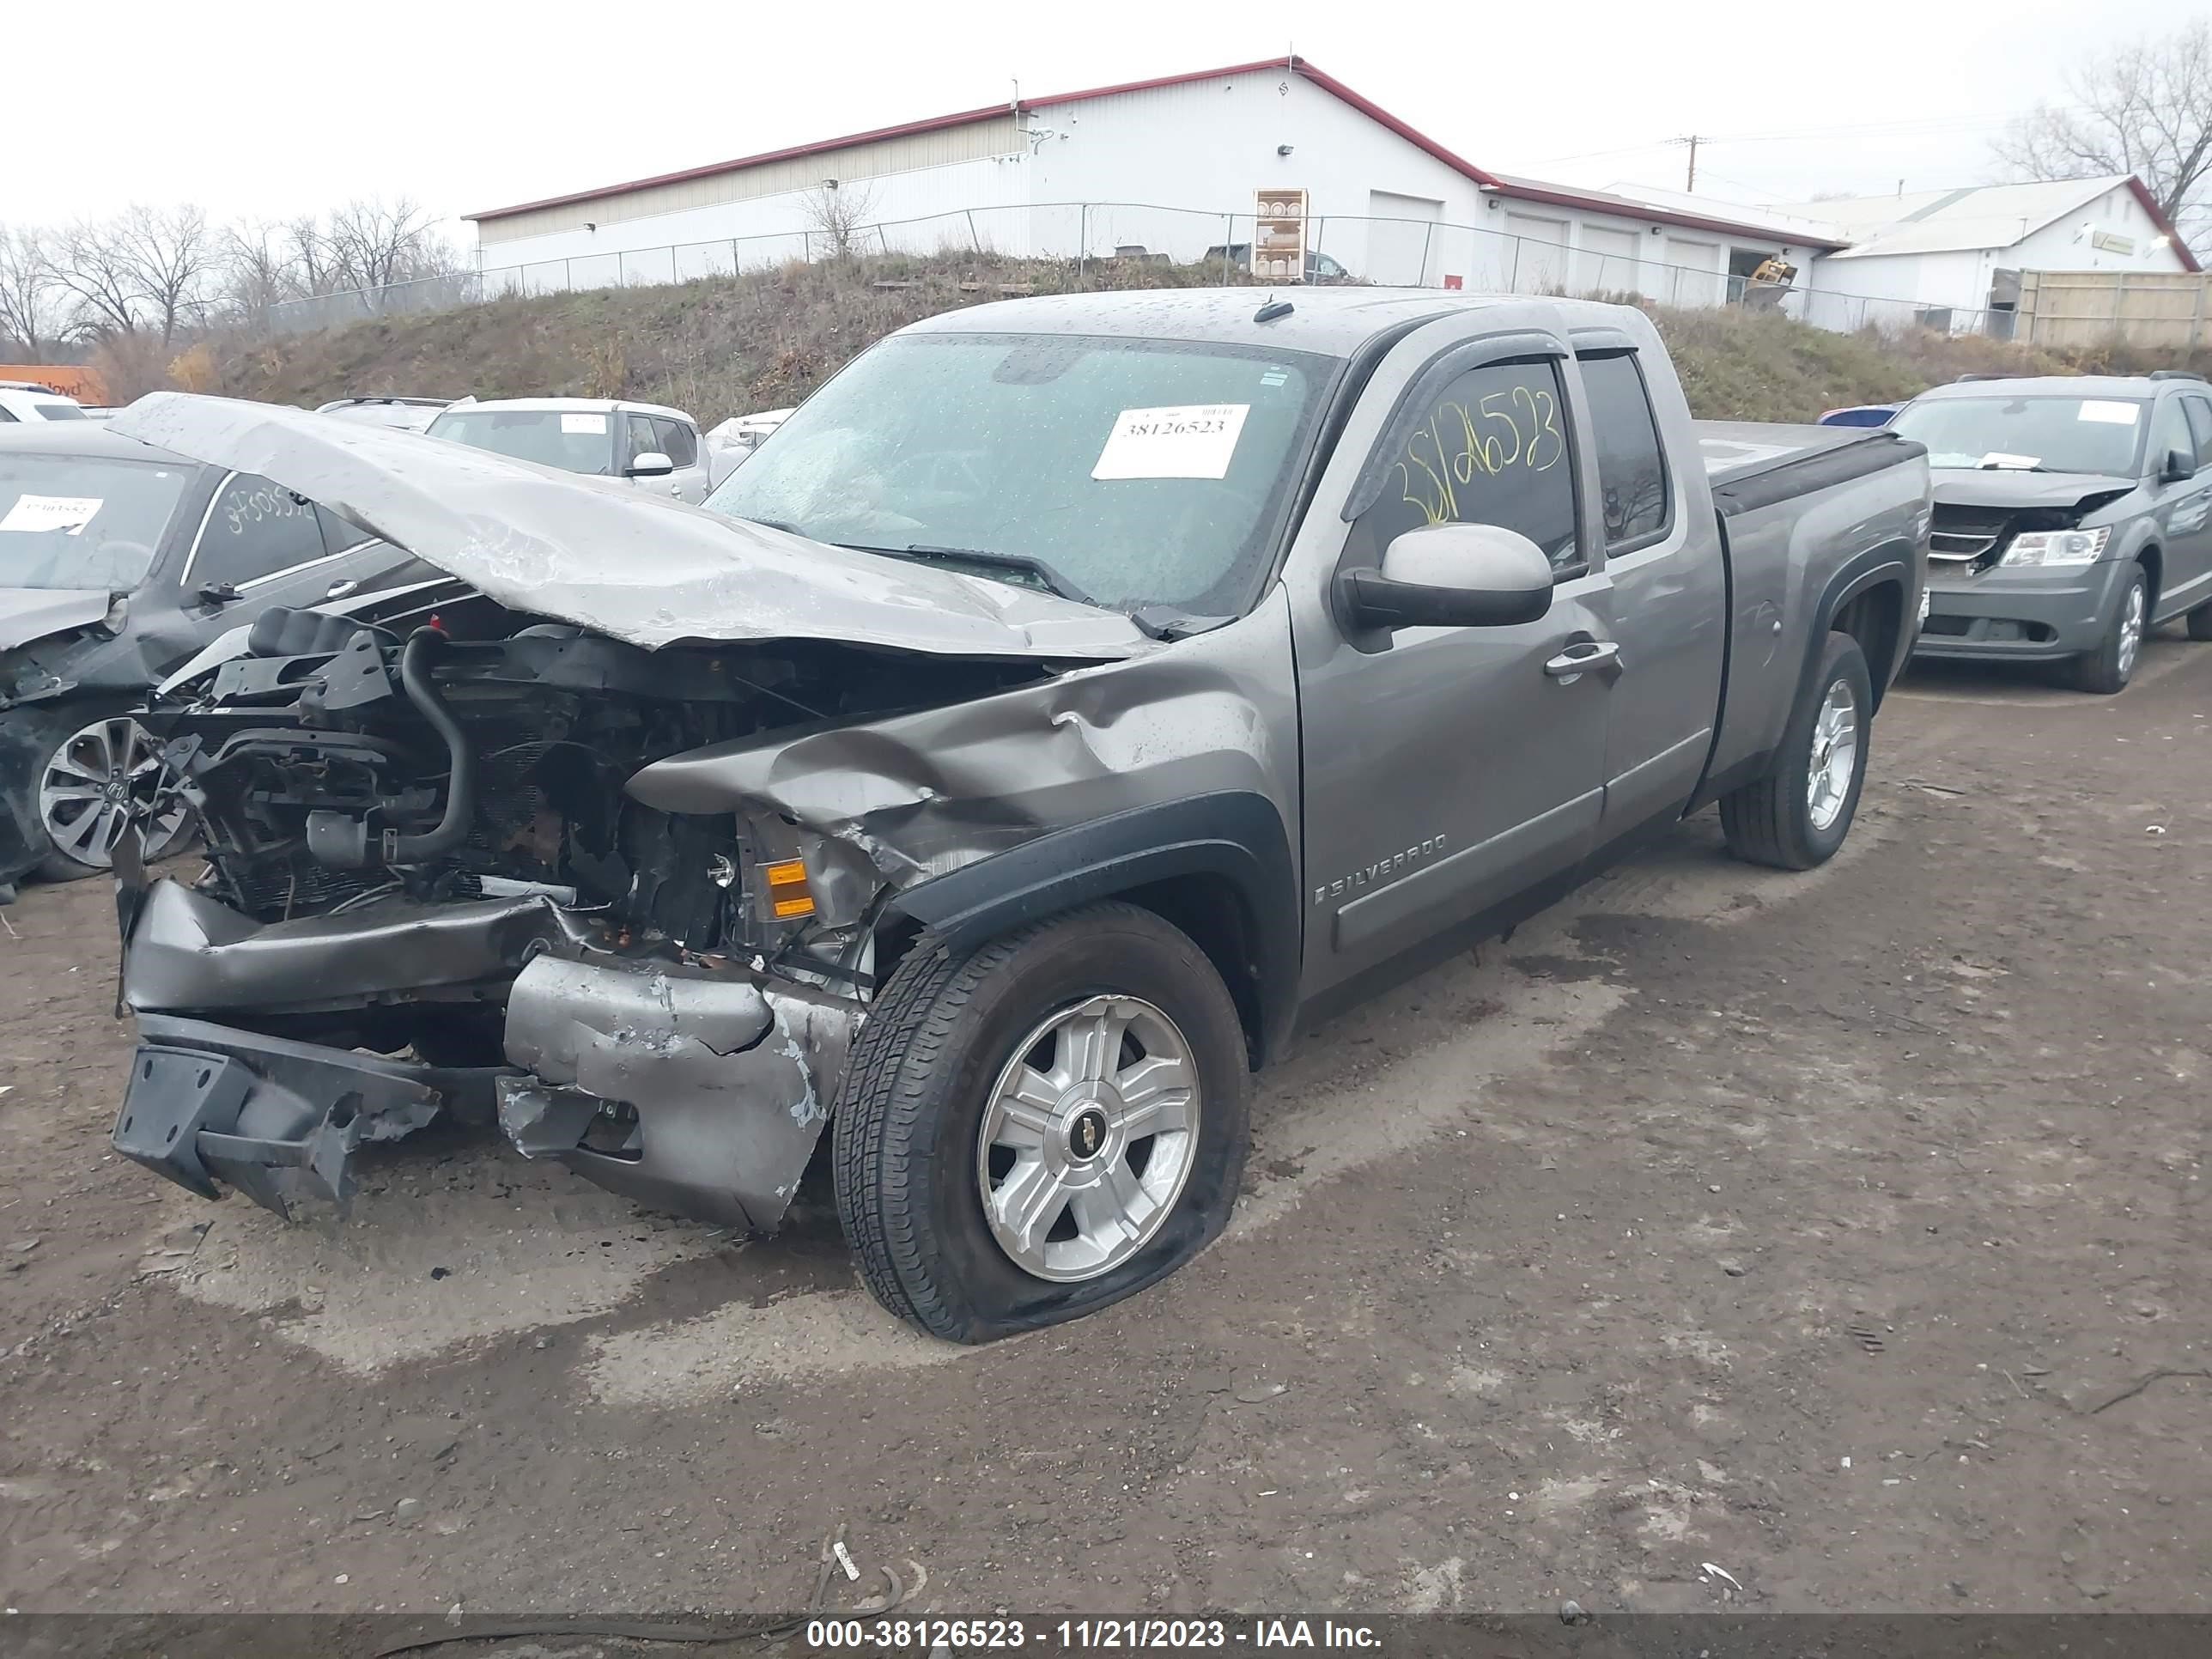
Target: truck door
1665 598
1447 771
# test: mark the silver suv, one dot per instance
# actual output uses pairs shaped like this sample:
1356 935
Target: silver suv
2072 515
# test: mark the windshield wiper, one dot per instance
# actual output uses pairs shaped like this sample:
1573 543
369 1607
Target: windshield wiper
1019 562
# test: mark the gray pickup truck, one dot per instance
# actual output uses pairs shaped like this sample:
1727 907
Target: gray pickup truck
1072 700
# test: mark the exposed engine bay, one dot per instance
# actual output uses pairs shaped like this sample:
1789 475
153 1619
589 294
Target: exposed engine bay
417 833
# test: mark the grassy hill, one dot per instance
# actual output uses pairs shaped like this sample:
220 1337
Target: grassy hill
725 345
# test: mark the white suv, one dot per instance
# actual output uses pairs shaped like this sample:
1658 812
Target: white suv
655 448
24 400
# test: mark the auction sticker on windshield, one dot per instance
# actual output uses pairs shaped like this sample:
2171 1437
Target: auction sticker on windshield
67 513
592 425
2110 413
1185 440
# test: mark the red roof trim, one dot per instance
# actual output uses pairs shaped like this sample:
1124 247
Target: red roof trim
2165 225
1294 66
934 124
1631 209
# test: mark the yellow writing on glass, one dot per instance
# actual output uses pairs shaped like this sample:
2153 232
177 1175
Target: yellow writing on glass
1445 456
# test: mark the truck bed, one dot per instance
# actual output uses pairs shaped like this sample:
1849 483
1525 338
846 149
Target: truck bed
1754 464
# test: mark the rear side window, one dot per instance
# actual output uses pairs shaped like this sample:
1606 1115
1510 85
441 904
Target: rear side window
255 529
339 534
1491 448
1632 469
677 441
2199 410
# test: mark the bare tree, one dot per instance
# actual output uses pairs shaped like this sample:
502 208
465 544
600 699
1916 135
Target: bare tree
27 287
170 253
261 268
2144 108
839 211
375 243
89 261
313 259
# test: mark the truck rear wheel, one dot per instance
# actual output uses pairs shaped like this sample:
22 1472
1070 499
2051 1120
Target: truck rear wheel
1797 815
1034 1129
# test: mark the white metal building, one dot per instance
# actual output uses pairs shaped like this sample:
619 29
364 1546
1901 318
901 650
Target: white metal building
1962 251
1176 166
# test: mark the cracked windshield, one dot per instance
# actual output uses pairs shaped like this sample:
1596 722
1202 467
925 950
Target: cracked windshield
1123 472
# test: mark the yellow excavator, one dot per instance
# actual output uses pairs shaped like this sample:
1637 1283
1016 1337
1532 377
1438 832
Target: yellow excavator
1763 289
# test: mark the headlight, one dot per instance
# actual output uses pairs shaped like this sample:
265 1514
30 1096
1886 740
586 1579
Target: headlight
2057 547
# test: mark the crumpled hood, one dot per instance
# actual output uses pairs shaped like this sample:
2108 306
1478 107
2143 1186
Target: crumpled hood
1980 487
649 571
29 614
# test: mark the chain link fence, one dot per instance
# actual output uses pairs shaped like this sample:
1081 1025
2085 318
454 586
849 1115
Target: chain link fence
1094 240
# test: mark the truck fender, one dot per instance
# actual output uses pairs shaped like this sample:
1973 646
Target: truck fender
1234 840
1891 561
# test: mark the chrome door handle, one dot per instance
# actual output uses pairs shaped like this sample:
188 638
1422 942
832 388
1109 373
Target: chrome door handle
1587 657
338 590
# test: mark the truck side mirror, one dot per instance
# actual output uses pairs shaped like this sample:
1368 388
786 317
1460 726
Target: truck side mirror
651 465
2180 466
1452 575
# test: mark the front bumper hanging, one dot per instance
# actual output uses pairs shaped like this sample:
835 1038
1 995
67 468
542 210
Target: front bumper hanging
695 1092
277 1120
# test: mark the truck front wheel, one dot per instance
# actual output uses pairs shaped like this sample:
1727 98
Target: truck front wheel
1797 815
1040 1126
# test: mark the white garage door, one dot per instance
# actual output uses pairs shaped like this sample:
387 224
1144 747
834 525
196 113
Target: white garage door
1607 263
1539 253
1694 277
1402 242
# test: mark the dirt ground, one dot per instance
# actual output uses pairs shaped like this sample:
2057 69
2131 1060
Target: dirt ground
1844 1230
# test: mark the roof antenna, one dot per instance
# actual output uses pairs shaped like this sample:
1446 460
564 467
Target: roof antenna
1273 310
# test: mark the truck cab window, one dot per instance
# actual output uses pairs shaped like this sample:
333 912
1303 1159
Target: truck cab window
1491 448
1632 469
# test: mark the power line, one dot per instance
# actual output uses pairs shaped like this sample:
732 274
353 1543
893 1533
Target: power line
1931 125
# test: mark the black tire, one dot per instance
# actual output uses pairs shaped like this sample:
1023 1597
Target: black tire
910 1109
1770 820
2107 671
2200 622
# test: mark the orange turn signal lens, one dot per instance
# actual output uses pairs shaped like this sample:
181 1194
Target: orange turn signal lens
787 896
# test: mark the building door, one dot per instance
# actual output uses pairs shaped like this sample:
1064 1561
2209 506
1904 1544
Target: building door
1401 239
1607 262
1539 253
1693 275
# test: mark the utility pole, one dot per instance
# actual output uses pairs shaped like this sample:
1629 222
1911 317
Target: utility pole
1693 140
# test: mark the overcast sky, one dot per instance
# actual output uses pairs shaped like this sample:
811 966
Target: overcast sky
257 110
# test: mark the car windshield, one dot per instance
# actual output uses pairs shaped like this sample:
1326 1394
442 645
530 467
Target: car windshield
1135 471
575 440
84 522
2039 433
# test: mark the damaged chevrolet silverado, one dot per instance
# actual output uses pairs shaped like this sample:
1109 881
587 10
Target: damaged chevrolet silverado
1073 699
